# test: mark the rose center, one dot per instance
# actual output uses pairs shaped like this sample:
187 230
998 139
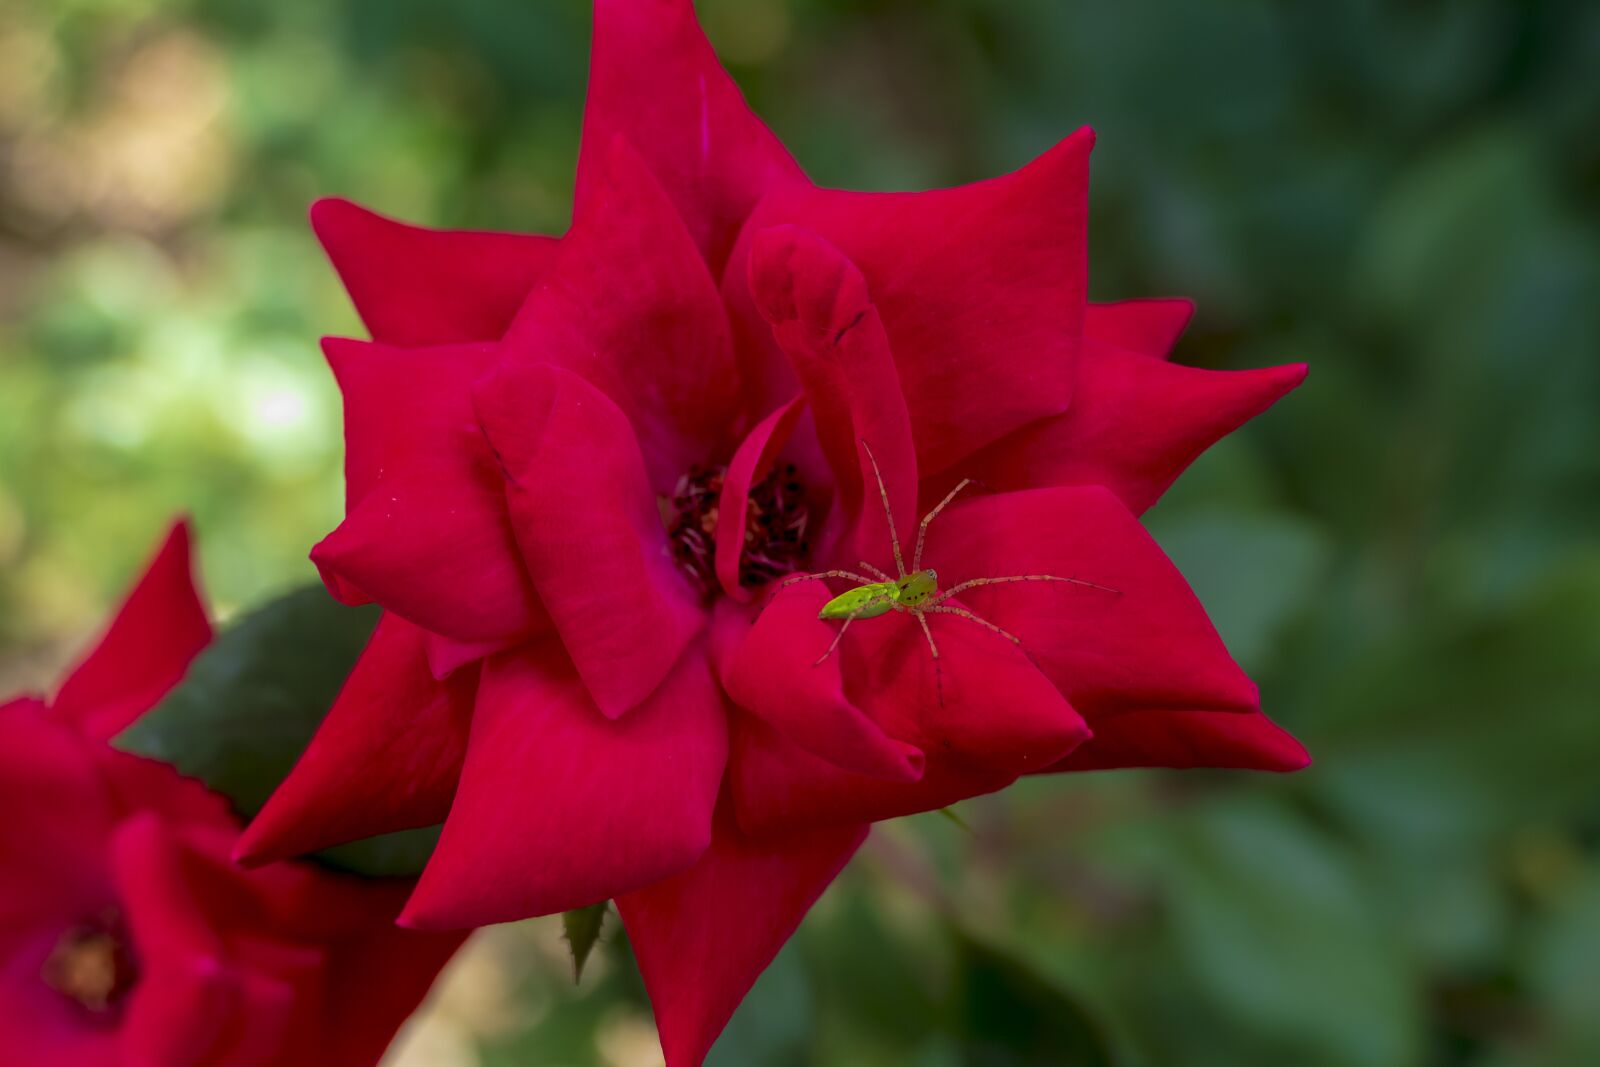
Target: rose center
92 965
774 526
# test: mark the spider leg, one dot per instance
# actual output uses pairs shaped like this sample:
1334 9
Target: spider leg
883 492
938 669
944 609
848 619
974 583
927 520
820 575
875 572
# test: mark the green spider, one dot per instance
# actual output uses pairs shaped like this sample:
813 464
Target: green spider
917 592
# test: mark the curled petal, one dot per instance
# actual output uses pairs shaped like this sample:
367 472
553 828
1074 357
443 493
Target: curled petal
589 528
160 627
1135 425
654 80
775 675
414 286
386 758
823 319
427 534
631 307
1249 742
561 807
1147 645
981 289
1148 327
434 552
751 462
703 937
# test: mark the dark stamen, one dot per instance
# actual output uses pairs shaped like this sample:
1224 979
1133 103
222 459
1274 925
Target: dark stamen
774 531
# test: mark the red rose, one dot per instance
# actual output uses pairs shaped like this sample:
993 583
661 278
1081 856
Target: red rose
129 936
575 469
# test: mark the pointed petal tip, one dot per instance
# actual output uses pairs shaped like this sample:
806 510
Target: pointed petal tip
1298 763
266 839
1083 734
180 533
158 629
1264 387
420 917
250 853
327 212
343 356
1283 753
339 224
1072 150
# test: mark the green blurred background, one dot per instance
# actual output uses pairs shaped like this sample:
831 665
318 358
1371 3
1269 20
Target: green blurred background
1405 553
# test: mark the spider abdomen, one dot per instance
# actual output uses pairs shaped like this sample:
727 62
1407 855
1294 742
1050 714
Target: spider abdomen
862 602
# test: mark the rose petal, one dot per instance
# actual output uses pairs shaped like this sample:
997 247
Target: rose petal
703 937
160 627
778 787
561 807
589 528
981 289
446 655
822 318
654 80
189 999
630 307
386 758
427 534
1188 739
433 552
407 411
1135 424
325 944
414 286
983 702
774 675
1148 327
751 463
58 812
1149 645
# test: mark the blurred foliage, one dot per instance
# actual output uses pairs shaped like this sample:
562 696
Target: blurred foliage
1405 554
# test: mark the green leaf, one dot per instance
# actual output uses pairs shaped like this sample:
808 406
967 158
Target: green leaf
402 854
1010 1016
582 926
250 703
